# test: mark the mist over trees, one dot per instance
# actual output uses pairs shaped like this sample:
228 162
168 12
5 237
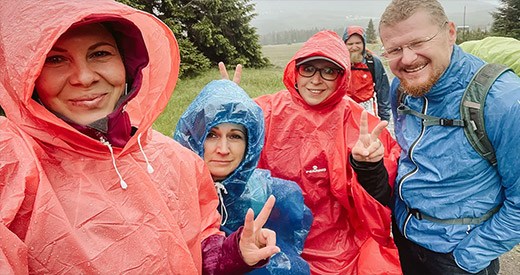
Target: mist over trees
292 36
506 22
507 19
467 35
209 31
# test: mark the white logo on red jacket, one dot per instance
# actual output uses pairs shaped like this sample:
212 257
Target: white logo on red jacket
316 170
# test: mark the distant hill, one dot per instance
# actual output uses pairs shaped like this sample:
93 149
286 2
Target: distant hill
274 16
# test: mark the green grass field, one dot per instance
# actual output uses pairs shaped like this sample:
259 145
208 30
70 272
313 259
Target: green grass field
255 82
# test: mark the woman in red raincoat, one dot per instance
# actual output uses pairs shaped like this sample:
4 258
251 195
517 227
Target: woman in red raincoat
311 130
86 186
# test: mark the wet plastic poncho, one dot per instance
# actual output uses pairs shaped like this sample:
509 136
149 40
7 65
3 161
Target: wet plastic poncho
502 50
310 145
223 101
442 175
62 206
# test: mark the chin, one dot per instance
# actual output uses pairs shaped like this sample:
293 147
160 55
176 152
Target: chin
86 119
418 88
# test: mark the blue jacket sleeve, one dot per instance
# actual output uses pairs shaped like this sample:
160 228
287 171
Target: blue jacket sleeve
383 90
502 232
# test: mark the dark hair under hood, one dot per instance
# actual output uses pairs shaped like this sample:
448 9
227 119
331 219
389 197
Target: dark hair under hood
139 107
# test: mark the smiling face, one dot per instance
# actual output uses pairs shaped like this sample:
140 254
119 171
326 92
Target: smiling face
315 89
224 149
83 75
355 47
419 70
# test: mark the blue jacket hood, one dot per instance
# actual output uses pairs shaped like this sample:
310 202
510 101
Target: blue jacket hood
223 101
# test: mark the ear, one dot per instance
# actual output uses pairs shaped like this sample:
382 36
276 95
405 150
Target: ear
452 33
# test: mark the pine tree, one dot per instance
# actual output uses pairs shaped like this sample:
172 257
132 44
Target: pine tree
209 31
506 20
221 30
371 32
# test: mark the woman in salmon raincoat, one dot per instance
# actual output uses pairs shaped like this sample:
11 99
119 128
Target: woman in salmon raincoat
86 186
309 137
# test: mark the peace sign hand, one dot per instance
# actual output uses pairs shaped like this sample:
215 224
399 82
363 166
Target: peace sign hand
369 148
257 243
224 74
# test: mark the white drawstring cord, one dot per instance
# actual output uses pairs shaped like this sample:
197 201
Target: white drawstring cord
223 211
148 165
122 182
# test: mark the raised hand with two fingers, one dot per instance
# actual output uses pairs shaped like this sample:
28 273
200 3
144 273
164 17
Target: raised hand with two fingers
368 147
257 243
224 75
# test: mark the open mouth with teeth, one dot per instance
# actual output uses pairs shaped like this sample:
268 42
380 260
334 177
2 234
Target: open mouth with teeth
415 69
316 92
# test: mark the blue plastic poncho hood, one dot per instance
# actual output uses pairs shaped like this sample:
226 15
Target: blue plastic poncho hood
223 101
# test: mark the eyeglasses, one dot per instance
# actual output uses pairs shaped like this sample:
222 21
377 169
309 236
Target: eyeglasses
326 73
416 46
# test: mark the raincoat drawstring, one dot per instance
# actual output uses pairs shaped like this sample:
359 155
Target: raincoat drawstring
223 211
122 182
148 165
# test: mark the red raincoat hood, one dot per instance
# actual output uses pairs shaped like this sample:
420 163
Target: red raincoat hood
328 44
25 48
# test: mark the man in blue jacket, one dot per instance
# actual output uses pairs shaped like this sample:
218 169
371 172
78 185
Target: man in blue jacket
368 82
454 211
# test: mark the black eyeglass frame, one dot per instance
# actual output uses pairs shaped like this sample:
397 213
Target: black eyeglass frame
340 71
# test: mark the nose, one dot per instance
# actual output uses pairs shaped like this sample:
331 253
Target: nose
83 75
316 78
409 56
222 146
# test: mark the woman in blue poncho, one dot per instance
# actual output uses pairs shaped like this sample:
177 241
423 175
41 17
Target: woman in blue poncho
226 128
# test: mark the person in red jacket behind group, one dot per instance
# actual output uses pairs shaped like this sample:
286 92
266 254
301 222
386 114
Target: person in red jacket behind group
342 158
369 83
86 185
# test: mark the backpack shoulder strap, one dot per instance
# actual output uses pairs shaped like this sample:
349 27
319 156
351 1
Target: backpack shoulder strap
369 58
401 95
428 120
472 109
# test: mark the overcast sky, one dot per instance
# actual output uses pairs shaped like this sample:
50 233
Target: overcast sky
277 15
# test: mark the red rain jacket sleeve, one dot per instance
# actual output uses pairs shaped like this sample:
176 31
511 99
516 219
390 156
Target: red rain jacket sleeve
13 253
19 178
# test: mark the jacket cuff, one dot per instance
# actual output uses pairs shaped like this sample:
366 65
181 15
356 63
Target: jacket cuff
231 261
360 166
466 264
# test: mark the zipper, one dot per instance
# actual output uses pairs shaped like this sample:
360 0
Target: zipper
410 155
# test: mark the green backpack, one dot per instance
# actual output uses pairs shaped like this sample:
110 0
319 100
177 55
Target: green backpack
471 110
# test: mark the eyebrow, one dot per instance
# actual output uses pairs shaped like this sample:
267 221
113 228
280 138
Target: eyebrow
239 130
99 44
